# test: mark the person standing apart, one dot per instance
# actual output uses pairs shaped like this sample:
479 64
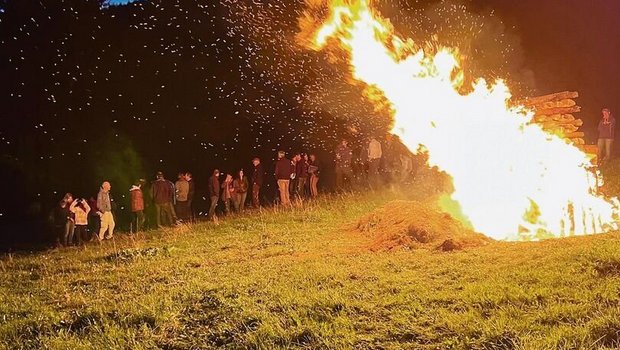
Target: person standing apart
137 204
104 205
241 185
283 173
80 209
257 182
190 195
214 193
606 134
374 160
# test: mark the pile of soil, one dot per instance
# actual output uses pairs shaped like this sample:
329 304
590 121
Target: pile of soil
416 225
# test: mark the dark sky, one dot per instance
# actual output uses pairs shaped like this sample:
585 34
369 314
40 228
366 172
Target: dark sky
569 45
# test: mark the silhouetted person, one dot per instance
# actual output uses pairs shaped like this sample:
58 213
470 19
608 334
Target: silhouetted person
190 195
301 174
374 160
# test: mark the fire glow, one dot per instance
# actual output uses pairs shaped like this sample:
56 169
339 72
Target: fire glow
511 179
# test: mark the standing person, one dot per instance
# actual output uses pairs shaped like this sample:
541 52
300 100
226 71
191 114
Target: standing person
64 224
190 195
283 177
228 191
104 205
313 171
344 155
293 182
137 204
374 160
214 193
80 209
301 174
182 192
257 182
162 194
241 185
606 134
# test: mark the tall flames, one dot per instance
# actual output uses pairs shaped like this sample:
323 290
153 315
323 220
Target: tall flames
511 179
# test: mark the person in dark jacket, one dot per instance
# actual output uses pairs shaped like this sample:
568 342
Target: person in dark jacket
64 224
257 182
301 174
283 173
241 186
214 193
162 194
606 134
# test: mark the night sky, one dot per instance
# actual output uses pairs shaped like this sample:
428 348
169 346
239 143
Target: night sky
94 92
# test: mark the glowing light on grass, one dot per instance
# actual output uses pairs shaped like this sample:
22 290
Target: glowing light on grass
511 179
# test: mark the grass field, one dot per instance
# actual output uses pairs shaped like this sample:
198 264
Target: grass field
304 278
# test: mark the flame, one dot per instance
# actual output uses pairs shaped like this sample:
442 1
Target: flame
512 180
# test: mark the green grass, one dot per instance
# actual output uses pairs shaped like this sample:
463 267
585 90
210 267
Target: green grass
303 278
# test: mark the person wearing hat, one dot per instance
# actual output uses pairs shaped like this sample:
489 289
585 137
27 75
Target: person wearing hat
162 194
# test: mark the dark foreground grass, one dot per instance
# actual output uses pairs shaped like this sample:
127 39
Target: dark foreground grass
304 279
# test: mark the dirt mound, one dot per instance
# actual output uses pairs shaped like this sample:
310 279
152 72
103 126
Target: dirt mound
415 225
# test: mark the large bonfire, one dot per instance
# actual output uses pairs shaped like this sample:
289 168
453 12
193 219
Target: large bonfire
511 179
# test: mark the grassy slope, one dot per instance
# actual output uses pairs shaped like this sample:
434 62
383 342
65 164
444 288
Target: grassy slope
301 278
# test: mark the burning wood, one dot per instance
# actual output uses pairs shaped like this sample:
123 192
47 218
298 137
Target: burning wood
554 113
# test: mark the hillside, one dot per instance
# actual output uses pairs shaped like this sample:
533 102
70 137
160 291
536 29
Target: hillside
309 278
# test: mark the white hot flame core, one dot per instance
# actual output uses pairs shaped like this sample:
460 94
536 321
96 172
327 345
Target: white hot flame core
502 166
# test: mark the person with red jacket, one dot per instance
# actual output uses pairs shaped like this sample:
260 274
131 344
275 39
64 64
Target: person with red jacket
137 204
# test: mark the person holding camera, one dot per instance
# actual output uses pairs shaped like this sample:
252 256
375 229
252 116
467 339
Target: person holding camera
80 210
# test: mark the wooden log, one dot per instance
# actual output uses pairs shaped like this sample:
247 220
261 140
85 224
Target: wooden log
555 104
558 110
558 118
564 129
551 97
578 141
589 149
575 135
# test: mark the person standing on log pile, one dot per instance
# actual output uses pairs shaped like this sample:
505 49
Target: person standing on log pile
606 133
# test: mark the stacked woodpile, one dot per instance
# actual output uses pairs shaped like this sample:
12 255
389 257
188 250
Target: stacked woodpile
556 114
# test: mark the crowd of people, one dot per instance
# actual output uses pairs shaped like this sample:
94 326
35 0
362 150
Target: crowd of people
79 220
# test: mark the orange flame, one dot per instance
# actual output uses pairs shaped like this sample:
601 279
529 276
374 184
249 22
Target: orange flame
511 179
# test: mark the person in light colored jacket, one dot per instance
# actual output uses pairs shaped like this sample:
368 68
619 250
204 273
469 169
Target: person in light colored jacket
104 205
80 209
182 192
